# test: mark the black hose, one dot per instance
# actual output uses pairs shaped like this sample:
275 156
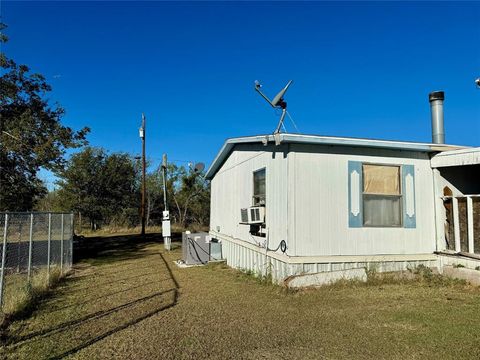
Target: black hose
282 246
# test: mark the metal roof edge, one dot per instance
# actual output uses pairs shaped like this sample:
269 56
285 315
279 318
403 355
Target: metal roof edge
363 142
325 140
227 147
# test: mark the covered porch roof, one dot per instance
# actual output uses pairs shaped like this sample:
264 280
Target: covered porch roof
462 157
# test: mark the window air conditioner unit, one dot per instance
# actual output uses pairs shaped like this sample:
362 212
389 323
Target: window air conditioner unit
253 215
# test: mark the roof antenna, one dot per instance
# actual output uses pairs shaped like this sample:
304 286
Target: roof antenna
278 102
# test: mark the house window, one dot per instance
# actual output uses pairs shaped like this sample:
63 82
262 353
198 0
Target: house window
259 187
382 196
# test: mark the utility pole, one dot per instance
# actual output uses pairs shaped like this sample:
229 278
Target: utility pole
144 165
166 215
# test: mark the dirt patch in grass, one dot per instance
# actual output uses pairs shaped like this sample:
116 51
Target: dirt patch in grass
130 301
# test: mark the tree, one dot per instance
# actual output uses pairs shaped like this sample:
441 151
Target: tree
102 187
31 134
154 201
50 202
191 195
105 188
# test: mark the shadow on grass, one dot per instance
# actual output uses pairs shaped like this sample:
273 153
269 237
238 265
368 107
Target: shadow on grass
116 247
97 298
137 283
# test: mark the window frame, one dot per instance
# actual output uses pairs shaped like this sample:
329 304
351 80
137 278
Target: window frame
253 187
399 196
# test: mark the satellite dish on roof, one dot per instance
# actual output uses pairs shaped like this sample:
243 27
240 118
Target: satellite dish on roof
278 102
199 167
278 99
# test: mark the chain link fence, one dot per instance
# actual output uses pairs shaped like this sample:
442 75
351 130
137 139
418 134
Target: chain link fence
36 250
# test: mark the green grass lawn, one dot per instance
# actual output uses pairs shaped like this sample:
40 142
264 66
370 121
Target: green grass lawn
126 299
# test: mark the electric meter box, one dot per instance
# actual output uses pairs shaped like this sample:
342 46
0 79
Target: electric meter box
166 215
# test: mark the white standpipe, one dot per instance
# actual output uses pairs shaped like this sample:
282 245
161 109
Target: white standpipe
166 232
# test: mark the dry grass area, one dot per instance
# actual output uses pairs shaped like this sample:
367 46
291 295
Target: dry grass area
126 299
110 230
20 295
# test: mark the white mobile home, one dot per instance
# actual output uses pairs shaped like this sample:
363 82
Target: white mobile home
295 204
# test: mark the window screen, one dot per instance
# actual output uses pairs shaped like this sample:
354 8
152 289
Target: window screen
259 187
382 205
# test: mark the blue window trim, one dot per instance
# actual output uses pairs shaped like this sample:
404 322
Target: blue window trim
356 221
409 222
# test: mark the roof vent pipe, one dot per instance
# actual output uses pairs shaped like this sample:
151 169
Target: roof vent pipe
436 106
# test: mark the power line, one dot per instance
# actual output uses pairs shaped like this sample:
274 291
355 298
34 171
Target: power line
170 160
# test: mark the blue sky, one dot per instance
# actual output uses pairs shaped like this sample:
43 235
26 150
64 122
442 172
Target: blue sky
359 69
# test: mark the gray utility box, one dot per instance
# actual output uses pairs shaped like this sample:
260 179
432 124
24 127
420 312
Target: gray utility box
200 248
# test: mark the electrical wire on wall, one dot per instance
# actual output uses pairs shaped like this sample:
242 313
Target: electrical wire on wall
281 246
258 243
241 162
199 247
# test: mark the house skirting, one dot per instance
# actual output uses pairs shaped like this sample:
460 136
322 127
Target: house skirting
457 260
248 257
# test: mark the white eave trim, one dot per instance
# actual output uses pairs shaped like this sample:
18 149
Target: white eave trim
324 140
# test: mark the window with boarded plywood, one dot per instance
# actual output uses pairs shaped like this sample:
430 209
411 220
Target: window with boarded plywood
385 198
382 195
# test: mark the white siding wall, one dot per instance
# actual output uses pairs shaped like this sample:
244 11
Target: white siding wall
232 189
320 200
313 181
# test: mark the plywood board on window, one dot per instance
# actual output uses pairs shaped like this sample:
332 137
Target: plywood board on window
378 179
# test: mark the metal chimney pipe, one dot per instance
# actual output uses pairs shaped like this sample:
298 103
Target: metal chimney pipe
436 106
